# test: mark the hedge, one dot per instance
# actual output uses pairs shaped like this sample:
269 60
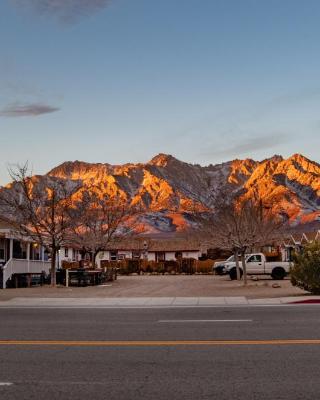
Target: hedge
305 272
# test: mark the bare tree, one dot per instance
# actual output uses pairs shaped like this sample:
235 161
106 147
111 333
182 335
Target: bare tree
240 226
100 221
40 208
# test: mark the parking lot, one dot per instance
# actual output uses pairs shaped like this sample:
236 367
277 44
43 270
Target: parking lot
165 286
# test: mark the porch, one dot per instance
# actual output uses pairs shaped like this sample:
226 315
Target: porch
18 257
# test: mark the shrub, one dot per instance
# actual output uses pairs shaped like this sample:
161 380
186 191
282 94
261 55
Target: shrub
204 267
171 266
133 266
306 270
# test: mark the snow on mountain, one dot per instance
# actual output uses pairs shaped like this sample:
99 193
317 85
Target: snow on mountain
168 188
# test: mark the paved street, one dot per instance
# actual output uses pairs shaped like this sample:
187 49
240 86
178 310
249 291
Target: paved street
242 352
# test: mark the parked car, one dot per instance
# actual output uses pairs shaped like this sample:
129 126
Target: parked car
219 267
258 265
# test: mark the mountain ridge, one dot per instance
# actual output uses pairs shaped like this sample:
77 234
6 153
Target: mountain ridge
168 188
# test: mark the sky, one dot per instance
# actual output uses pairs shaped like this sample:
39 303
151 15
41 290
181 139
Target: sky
122 80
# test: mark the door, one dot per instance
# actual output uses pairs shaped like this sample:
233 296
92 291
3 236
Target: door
254 264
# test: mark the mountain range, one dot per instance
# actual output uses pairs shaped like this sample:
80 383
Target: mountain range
169 188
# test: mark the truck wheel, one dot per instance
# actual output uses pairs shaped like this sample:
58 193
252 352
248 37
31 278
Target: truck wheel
278 273
233 274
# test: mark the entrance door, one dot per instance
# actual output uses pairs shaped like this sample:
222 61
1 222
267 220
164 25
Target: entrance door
254 264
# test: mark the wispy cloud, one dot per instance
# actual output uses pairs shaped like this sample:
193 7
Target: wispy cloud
247 145
27 110
66 11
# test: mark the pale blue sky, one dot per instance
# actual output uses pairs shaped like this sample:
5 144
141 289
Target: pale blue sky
122 80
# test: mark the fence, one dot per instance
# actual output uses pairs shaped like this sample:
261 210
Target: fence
185 266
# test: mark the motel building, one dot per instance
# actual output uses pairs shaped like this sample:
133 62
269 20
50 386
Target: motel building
151 250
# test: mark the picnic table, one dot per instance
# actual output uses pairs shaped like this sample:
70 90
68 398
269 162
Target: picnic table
27 276
86 277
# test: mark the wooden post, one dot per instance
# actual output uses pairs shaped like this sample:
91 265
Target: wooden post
28 255
11 249
67 277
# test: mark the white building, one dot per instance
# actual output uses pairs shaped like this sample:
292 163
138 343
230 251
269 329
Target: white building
151 250
69 254
19 255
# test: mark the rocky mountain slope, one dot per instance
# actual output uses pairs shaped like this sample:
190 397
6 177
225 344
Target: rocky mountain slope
168 188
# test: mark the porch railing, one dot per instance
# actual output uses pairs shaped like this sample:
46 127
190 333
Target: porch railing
15 266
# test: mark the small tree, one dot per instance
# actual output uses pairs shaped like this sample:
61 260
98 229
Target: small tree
305 272
40 208
240 227
100 221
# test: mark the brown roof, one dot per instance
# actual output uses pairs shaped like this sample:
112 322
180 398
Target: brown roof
309 236
296 238
6 224
156 245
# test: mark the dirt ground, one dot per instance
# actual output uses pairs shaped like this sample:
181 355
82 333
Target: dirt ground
165 286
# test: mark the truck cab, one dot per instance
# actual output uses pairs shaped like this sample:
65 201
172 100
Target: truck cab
255 263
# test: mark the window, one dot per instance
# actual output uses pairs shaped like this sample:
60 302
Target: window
2 247
136 254
19 250
160 256
113 255
255 258
66 252
35 251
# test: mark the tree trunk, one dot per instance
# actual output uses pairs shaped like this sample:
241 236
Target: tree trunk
244 267
53 267
94 257
236 257
83 252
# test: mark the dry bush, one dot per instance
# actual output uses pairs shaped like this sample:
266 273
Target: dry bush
204 267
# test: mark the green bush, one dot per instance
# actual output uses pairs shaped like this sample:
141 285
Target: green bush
305 272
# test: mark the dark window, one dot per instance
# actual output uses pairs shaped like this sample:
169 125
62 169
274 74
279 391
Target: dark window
19 250
136 254
2 247
160 256
255 258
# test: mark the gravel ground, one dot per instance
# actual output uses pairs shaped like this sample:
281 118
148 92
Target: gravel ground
165 286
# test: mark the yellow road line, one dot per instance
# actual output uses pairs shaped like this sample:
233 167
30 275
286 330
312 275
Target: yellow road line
132 343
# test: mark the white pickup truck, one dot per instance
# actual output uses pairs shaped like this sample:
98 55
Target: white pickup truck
258 265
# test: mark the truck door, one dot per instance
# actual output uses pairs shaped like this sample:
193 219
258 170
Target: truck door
254 264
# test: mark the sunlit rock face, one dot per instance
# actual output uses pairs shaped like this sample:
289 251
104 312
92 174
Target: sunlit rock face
170 190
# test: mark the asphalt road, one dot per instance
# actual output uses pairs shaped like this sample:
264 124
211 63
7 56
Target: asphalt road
203 353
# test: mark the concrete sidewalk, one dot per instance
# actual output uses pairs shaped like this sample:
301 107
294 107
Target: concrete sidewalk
150 302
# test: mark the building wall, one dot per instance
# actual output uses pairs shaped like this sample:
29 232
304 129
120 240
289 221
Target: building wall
191 254
127 254
68 254
170 255
151 256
